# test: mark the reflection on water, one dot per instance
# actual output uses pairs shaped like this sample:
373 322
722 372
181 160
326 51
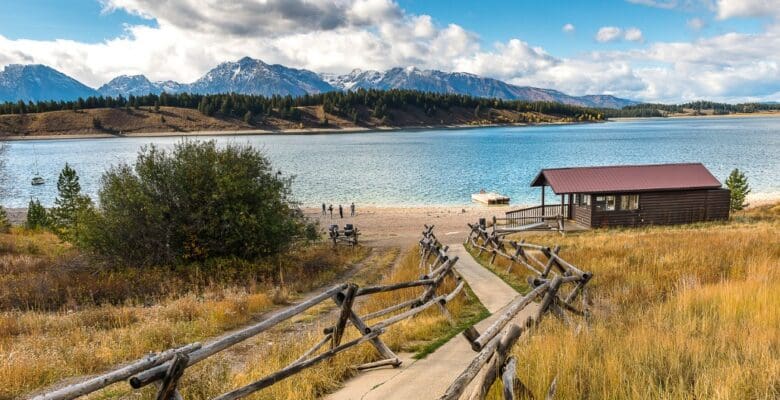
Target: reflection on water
436 167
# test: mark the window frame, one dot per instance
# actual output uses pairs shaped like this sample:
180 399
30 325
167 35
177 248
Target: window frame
629 202
614 203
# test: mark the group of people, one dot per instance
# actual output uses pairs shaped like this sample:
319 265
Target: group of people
341 210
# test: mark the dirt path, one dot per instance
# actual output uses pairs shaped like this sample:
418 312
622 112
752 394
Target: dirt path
429 378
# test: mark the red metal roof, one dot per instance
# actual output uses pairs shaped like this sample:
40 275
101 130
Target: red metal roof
627 178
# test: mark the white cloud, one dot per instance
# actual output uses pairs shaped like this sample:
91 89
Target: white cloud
633 35
568 28
696 24
747 8
612 34
608 34
338 35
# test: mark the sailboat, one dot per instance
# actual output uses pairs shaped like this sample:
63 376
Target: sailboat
37 178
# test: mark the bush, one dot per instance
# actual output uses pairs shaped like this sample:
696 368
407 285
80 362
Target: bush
190 204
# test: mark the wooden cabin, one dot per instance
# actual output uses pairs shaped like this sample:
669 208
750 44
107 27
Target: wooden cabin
635 195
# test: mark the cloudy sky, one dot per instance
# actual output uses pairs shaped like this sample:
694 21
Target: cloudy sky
650 50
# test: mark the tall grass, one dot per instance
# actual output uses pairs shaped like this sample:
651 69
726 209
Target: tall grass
688 312
40 346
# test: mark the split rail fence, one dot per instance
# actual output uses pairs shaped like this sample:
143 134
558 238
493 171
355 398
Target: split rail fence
555 281
166 368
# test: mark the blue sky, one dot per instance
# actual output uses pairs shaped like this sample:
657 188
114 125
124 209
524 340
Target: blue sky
628 48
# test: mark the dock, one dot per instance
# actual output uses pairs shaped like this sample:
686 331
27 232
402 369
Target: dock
490 198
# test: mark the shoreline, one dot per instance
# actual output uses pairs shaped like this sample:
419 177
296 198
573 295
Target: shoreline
708 116
290 132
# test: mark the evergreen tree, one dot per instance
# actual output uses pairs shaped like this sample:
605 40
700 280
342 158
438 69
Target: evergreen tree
69 202
738 185
5 224
248 117
37 217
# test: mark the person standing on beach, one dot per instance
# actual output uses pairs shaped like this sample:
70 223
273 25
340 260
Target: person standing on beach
341 211
352 209
330 208
323 208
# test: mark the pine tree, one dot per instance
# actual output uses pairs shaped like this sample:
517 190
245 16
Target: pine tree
69 202
738 185
5 224
37 217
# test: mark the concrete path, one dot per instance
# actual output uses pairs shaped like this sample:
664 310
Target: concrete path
429 378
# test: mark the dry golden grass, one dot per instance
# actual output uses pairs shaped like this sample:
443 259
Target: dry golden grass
689 312
80 329
40 346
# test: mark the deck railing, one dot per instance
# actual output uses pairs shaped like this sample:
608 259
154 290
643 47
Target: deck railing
536 214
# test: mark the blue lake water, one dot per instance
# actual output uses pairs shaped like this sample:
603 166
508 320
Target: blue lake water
436 167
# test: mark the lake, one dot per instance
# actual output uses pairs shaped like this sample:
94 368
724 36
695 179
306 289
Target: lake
435 167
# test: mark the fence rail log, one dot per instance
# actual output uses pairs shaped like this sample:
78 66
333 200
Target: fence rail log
90 385
458 386
150 375
377 364
346 297
495 365
518 304
388 310
395 286
294 368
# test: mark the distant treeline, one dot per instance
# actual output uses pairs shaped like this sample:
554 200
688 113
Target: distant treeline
347 104
660 110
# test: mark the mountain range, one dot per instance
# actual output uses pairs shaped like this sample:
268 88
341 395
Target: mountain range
251 76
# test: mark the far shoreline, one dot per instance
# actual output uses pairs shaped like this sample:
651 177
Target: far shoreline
286 132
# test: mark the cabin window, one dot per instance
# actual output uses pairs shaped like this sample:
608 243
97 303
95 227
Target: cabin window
609 203
629 202
584 199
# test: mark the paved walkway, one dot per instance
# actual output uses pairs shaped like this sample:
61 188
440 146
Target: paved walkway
429 378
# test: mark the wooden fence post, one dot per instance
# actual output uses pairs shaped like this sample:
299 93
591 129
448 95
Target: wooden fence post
168 385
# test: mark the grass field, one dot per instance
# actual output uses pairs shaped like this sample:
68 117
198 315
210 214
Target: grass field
62 317
689 312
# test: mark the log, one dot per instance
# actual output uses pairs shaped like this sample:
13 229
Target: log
548 298
346 308
314 348
292 369
395 286
99 382
471 334
150 375
567 266
376 364
378 344
509 378
512 310
550 260
493 370
167 390
407 314
455 390
390 309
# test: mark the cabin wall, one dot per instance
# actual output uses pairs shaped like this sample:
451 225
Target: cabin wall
581 214
666 208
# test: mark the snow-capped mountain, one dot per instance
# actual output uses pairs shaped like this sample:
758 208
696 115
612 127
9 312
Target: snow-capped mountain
138 85
39 82
462 83
250 76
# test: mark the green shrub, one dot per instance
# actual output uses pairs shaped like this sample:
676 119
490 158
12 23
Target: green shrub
193 203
